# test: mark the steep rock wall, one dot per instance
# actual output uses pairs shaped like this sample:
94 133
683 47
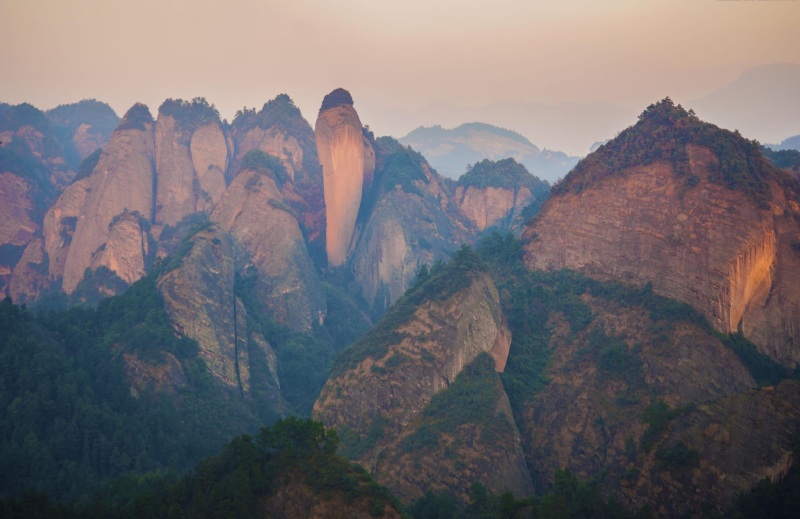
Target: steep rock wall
491 205
122 181
392 388
705 245
345 158
254 212
199 296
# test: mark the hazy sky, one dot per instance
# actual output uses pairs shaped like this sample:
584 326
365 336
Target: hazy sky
397 55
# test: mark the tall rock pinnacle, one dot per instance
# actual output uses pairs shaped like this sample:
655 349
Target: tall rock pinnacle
347 158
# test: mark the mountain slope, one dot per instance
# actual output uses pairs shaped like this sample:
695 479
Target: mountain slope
396 394
695 210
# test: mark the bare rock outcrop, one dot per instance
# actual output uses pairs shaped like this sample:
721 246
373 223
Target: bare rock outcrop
280 130
191 156
712 229
253 211
347 158
121 182
200 298
382 389
407 221
496 193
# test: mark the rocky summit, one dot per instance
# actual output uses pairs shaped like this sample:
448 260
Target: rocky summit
694 210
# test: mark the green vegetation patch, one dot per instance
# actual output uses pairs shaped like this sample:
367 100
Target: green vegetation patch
190 115
339 97
471 399
503 174
662 133
137 117
261 162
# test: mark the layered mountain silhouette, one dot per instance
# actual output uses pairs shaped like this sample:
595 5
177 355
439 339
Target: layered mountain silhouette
635 324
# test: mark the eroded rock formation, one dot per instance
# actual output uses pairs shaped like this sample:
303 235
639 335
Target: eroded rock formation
254 212
723 248
381 393
346 158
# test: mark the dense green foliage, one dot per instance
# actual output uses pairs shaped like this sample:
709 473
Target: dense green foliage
662 134
190 115
235 483
398 165
338 97
68 418
569 499
471 399
503 174
438 283
261 162
764 370
137 117
784 159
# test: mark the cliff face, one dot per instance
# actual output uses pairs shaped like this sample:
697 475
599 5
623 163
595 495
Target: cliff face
199 296
697 238
495 194
407 221
191 157
346 158
122 182
279 129
253 211
378 396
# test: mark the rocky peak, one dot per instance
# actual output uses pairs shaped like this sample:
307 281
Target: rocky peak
280 130
347 157
191 159
406 220
495 192
381 386
264 226
693 209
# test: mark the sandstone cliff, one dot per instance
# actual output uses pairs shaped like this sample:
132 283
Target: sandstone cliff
347 158
383 386
279 129
199 296
253 211
407 220
191 157
122 182
495 194
32 168
692 209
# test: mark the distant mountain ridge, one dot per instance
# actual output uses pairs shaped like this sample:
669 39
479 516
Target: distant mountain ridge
451 151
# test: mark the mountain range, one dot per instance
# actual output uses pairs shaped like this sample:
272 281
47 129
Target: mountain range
624 340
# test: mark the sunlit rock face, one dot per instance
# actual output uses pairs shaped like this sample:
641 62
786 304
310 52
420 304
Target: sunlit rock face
347 159
682 225
122 182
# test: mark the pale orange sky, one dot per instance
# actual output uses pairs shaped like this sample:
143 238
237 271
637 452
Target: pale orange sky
390 55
